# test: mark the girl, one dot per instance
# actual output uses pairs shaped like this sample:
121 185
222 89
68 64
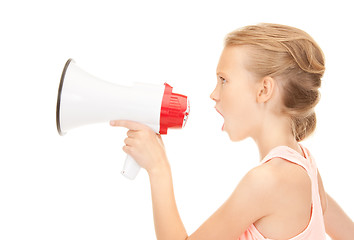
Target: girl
268 77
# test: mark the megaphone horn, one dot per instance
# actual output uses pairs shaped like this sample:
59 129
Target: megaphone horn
85 99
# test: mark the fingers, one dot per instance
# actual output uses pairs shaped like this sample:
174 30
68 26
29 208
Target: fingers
140 138
131 133
127 149
129 141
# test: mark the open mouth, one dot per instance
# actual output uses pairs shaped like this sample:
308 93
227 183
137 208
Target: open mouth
219 112
222 128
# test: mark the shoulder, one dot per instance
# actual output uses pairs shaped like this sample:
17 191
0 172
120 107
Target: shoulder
250 199
275 181
271 175
256 189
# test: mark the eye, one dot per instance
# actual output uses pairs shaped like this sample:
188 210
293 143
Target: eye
222 80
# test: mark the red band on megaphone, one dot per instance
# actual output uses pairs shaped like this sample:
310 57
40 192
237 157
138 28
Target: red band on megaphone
174 110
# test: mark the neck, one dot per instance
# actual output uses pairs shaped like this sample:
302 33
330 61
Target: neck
274 131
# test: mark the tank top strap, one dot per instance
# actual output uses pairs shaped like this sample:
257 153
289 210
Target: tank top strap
290 155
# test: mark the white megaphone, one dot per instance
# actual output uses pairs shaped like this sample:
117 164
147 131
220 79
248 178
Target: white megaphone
84 99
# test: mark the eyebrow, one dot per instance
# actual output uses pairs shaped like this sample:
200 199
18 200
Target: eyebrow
221 73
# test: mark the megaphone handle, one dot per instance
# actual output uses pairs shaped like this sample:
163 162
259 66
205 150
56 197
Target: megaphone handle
131 168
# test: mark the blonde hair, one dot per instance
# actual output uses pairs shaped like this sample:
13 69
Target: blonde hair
294 59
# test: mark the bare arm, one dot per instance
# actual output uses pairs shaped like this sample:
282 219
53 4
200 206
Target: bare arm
247 203
338 224
168 224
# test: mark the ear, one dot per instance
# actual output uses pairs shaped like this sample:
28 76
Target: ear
265 89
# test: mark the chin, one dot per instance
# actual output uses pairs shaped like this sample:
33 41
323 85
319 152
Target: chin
235 137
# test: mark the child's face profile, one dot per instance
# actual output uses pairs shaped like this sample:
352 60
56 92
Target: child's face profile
235 93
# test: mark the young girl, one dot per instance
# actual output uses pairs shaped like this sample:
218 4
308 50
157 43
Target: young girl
267 87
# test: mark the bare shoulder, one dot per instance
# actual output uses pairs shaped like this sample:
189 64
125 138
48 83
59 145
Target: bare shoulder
256 198
287 177
267 183
280 183
278 173
252 197
260 180
276 187
260 198
288 201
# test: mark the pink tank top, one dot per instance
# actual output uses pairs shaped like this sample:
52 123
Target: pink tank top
315 230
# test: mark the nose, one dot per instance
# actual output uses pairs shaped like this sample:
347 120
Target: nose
214 96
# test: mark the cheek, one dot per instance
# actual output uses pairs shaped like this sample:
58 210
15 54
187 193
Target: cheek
239 115
238 104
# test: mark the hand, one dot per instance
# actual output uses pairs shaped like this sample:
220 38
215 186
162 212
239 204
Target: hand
144 145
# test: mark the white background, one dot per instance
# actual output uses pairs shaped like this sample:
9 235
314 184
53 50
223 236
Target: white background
70 187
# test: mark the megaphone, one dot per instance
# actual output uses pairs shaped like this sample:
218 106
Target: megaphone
85 99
